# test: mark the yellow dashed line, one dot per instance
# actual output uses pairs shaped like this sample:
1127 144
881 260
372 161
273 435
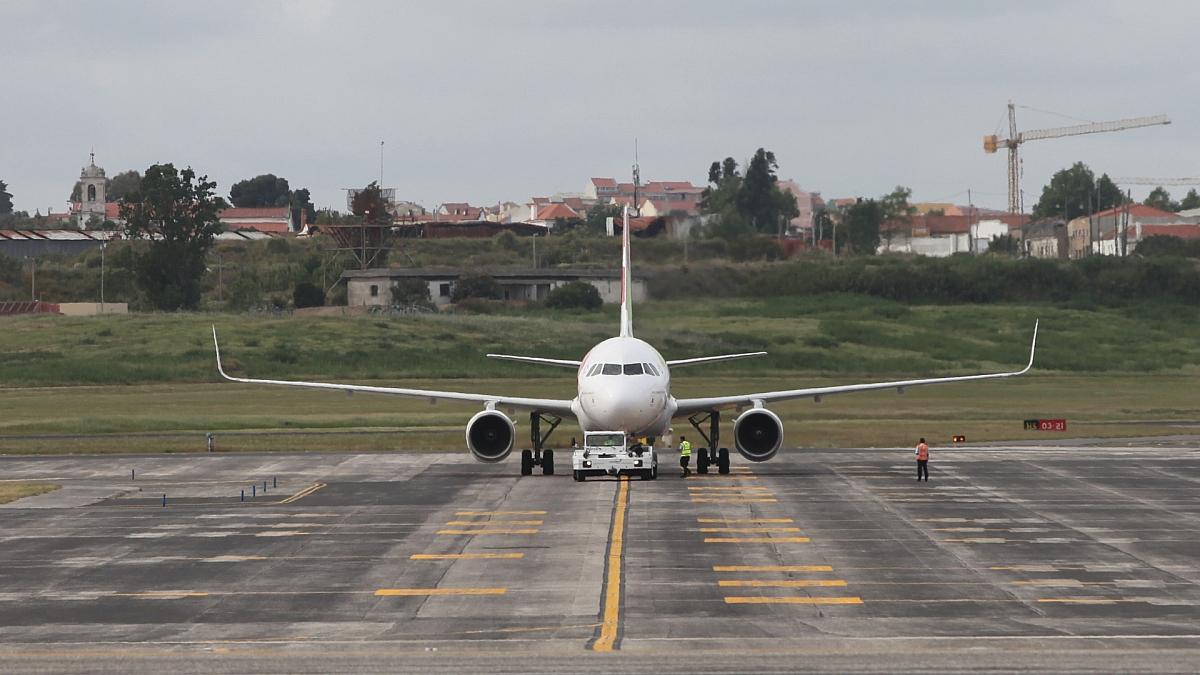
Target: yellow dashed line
735 600
756 540
731 500
772 568
487 531
782 583
746 530
499 513
750 488
466 556
409 592
744 520
494 522
162 595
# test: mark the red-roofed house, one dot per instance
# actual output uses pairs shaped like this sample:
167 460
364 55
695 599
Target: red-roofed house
601 189
945 235
276 219
1109 244
547 214
452 212
1088 234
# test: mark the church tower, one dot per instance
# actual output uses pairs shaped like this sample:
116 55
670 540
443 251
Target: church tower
92 195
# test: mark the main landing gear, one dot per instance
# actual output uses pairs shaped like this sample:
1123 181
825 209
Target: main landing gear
710 455
539 455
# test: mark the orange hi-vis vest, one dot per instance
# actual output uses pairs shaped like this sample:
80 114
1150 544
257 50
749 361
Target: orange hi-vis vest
922 451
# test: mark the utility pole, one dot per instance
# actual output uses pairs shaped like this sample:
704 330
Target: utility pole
33 279
380 165
103 245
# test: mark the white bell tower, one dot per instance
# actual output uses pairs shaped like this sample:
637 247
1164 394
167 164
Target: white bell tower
92 197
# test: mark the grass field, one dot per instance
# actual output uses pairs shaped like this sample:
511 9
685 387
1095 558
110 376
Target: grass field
11 492
148 383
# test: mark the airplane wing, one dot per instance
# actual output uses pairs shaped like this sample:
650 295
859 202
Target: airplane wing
713 359
689 406
562 363
561 407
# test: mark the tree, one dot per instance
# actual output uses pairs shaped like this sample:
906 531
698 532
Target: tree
301 200
574 295
895 205
862 221
477 286
369 204
596 221
1190 201
263 190
176 212
411 293
1004 244
6 205
307 294
1160 199
741 205
1072 191
122 185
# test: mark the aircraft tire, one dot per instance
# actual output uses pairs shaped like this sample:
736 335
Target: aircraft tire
526 462
547 462
723 461
702 461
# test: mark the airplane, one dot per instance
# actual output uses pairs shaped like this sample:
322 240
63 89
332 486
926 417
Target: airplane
624 384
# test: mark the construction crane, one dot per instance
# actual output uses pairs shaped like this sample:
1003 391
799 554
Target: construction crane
1158 182
993 143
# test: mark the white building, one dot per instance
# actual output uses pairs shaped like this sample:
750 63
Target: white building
373 287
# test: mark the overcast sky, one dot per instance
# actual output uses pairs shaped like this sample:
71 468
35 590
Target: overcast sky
492 101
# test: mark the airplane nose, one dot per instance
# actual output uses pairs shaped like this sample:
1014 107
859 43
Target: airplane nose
627 405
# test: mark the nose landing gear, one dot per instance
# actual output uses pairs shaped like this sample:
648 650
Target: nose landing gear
712 454
539 455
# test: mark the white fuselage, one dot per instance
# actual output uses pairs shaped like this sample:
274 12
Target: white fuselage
624 385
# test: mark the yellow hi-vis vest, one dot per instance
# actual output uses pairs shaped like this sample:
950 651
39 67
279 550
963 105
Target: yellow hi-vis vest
685 449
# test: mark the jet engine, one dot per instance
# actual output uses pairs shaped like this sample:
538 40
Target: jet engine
490 436
758 433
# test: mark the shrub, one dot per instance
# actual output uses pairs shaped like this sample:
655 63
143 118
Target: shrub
308 295
411 293
575 295
477 286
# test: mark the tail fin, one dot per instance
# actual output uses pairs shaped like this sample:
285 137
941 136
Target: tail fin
626 286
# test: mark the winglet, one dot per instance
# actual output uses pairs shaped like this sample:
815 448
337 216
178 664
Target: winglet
217 347
1032 347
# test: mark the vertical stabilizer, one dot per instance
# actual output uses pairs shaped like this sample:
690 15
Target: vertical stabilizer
626 280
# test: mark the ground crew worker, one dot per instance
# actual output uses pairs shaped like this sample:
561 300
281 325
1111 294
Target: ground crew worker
922 453
685 455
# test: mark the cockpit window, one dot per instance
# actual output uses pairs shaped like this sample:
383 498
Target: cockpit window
611 369
634 369
650 369
594 369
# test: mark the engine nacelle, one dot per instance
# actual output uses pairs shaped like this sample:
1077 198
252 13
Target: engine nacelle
490 436
758 433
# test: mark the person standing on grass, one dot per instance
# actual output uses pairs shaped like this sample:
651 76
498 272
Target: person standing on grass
922 453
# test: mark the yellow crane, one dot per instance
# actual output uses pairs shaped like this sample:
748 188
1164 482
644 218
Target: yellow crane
994 142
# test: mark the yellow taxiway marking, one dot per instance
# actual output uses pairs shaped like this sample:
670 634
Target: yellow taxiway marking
611 614
1062 583
749 530
494 522
466 556
302 494
409 592
728 487
531 531
732 500
978 540
1085 601
753 600
744 520
782 583
756 540
499 513
772 568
